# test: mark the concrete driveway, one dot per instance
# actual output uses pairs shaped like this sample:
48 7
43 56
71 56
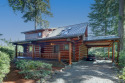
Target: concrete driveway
100 71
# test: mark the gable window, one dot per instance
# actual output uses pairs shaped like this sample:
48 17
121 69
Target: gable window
56 48
66 47
39 34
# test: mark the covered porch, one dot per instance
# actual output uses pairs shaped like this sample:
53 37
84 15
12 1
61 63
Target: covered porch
44 50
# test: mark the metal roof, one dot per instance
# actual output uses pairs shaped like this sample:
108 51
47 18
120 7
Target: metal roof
69 30
72 31
95 38
48 38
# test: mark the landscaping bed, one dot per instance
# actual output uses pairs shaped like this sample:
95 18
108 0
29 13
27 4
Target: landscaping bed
22 73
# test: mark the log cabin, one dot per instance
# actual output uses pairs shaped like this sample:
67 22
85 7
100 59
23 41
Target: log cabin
70 43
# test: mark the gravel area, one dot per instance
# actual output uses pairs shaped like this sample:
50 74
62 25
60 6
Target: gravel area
99 71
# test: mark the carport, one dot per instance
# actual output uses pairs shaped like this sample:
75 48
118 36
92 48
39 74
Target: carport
104 41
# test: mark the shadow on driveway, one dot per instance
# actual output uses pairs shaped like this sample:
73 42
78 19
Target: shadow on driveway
100 71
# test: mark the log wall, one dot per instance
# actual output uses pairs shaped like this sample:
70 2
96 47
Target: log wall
80 50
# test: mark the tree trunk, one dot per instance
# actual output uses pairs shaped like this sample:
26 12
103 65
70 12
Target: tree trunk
35 24
121 24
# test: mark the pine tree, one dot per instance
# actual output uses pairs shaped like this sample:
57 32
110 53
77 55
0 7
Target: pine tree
121 23
33 10
107 17
103 17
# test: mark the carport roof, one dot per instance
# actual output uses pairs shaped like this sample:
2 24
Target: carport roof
100 41
95 38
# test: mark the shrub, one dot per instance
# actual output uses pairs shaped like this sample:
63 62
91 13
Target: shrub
8 51
122 59
123 74
4 65
33 69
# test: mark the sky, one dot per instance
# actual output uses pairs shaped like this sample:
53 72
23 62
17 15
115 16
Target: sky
65 12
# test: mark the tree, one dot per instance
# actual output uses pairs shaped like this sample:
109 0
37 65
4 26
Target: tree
33 10
107 17
0 34
103 17
121 24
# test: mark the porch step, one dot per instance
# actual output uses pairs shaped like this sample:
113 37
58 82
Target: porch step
65 61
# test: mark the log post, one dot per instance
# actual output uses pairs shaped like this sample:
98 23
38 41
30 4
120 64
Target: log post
70 51
59 57
16 51
32 51
118 50
113 52
108 52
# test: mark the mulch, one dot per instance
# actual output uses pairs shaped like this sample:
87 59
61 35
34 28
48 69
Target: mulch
14 77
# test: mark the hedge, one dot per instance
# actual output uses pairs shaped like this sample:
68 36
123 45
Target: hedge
4 65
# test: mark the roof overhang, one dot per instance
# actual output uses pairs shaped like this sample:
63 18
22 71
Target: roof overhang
45 39
37 30
101 41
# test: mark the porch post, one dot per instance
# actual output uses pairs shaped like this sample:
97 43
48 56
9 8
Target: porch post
108 52
113 52
59 57
70 56
32 51
16 51
118 50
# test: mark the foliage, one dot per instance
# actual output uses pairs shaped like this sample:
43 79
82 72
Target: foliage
8 51
8 48
122 59
122 63
102 52
104 17
33 69
4 65
123 74
33 10
8 43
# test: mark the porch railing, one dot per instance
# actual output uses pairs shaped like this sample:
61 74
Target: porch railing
28 54
42 55
50 55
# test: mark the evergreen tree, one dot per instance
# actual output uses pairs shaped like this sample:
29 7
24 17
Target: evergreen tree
33 10
121 23
107 17
103 18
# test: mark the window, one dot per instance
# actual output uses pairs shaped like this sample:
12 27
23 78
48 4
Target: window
30 48
56 48
39 34
66 47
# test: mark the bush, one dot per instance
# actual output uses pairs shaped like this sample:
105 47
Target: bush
4 65
122 59
123 74
33 69
8 51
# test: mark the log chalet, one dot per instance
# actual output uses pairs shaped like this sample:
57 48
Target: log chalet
69 43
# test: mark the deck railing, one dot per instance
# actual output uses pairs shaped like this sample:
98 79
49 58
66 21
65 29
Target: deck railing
42 55
50 55
28 54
